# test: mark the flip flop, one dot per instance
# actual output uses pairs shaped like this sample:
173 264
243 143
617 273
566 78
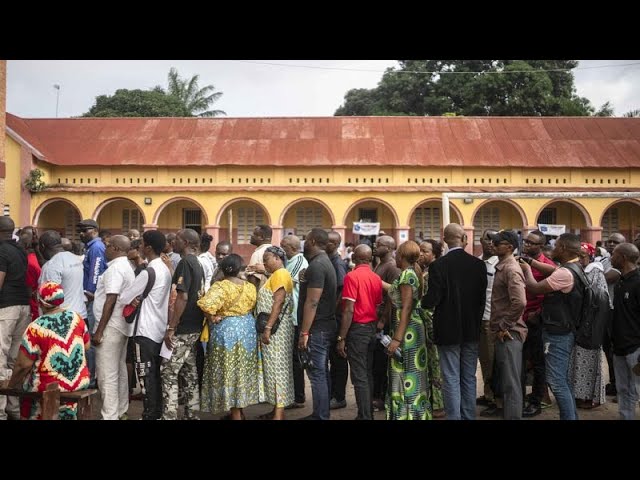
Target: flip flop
294 405
265 416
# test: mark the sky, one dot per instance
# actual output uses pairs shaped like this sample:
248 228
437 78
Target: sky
261 88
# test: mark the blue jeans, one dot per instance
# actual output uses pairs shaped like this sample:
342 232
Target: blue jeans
458 365
91 353
319 345
627 384
557 353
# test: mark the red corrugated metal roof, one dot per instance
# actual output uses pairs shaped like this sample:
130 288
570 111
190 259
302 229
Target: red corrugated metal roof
532 142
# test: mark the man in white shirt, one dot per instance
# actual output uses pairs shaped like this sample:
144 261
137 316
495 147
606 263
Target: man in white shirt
111 331
486 346
65 268
152 320
261 238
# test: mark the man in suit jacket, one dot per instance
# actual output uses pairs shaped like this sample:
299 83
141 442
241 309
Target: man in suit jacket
457 290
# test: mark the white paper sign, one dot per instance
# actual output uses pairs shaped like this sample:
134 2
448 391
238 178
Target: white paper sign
554 230
362 228
165 352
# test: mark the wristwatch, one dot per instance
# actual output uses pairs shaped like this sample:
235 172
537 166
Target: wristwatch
339 339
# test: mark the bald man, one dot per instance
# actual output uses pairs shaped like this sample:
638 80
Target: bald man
14 309
457 292
626 329
111 331
384 249
361 295
296 263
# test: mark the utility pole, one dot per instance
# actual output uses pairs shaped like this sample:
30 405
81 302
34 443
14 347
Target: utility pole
57 87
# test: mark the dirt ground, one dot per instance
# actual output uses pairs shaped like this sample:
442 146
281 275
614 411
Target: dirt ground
608 411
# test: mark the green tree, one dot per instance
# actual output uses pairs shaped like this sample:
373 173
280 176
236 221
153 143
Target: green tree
605 110
195 100
533 87
632 113
137 103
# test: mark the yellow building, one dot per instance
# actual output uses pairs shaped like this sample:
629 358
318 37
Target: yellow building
227 175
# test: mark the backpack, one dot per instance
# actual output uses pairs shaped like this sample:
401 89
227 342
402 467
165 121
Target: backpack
594 314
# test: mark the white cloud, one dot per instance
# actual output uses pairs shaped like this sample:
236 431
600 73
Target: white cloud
250 89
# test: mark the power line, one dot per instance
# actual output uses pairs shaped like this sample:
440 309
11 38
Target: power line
315 67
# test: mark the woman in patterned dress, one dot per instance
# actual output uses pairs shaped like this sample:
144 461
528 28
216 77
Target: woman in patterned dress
408 392
430 250
53 349
230 380
275 298
585 369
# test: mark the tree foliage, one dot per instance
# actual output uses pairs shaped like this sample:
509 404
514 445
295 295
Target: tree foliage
196 100
137 103
183 98
528 87
632 113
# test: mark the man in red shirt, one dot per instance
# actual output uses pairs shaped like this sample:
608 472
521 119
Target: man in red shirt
362 293
533 350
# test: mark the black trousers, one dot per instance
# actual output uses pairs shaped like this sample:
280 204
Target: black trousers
150 356
298 371
607 346
361 342
339 372
533 349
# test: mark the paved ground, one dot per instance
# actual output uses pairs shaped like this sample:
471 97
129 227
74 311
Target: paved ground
608 411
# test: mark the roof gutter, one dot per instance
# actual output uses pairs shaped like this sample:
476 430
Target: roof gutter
446 196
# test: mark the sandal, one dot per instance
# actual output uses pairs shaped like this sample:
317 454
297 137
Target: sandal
294 405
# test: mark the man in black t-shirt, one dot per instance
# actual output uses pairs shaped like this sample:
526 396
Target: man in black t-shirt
14 309
318 330
183 331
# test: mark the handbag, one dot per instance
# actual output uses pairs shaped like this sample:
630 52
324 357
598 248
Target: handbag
130 312
263 318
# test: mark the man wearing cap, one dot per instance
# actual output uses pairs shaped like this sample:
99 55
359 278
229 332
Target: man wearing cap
508 301
94 265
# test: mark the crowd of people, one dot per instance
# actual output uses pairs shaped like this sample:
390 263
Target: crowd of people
407 324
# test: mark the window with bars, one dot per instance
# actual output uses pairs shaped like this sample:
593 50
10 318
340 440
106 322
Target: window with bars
71 219
131 218
427 223
610 223
548 215
248 218
368 215
192 218
307 218
487 217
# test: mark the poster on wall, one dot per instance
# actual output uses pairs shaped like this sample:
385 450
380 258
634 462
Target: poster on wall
364 228
553 230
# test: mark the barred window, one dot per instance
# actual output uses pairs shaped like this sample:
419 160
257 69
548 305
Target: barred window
307 218
487 217
427 223
610 223
131 218
248 218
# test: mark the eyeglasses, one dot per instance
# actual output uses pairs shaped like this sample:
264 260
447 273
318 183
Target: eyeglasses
84 230
529 242
497 244
614 242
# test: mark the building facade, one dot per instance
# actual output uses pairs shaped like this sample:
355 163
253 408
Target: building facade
224 176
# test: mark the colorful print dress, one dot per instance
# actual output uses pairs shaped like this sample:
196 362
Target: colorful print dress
55 342
434 375
230 378
277 357
408 392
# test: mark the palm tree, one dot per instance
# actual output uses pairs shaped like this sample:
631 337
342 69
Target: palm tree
632 113
196 100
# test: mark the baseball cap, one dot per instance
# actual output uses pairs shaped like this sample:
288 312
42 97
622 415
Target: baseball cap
88 223
506 236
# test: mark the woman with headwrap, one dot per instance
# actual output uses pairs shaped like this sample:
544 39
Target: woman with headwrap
275 299
230 379
52 350
585 369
